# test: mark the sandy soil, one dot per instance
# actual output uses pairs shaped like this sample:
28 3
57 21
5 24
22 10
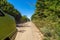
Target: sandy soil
28 32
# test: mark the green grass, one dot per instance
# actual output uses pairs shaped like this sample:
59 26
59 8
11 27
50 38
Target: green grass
49 28
7 26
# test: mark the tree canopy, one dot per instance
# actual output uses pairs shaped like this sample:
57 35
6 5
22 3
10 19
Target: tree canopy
9 9
25 19
47 18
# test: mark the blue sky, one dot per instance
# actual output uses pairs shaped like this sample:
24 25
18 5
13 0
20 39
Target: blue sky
26 7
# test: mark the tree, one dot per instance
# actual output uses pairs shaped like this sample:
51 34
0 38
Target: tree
47 18
9 9
45 8
25 19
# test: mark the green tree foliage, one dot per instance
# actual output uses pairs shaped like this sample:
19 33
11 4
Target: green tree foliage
47 18
9 9
24 19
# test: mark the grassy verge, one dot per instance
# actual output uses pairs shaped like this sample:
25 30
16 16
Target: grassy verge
49 28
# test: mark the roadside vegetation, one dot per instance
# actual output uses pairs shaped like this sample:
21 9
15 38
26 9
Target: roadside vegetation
9 9
7 23
47 18
24 19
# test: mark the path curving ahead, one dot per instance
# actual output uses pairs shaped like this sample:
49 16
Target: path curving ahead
28 32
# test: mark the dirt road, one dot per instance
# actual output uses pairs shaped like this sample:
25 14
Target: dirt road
28 32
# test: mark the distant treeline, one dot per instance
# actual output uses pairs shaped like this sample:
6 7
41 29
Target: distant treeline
47 18
9 9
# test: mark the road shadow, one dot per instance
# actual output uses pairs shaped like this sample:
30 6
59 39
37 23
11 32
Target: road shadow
19 26
22 26
21 31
